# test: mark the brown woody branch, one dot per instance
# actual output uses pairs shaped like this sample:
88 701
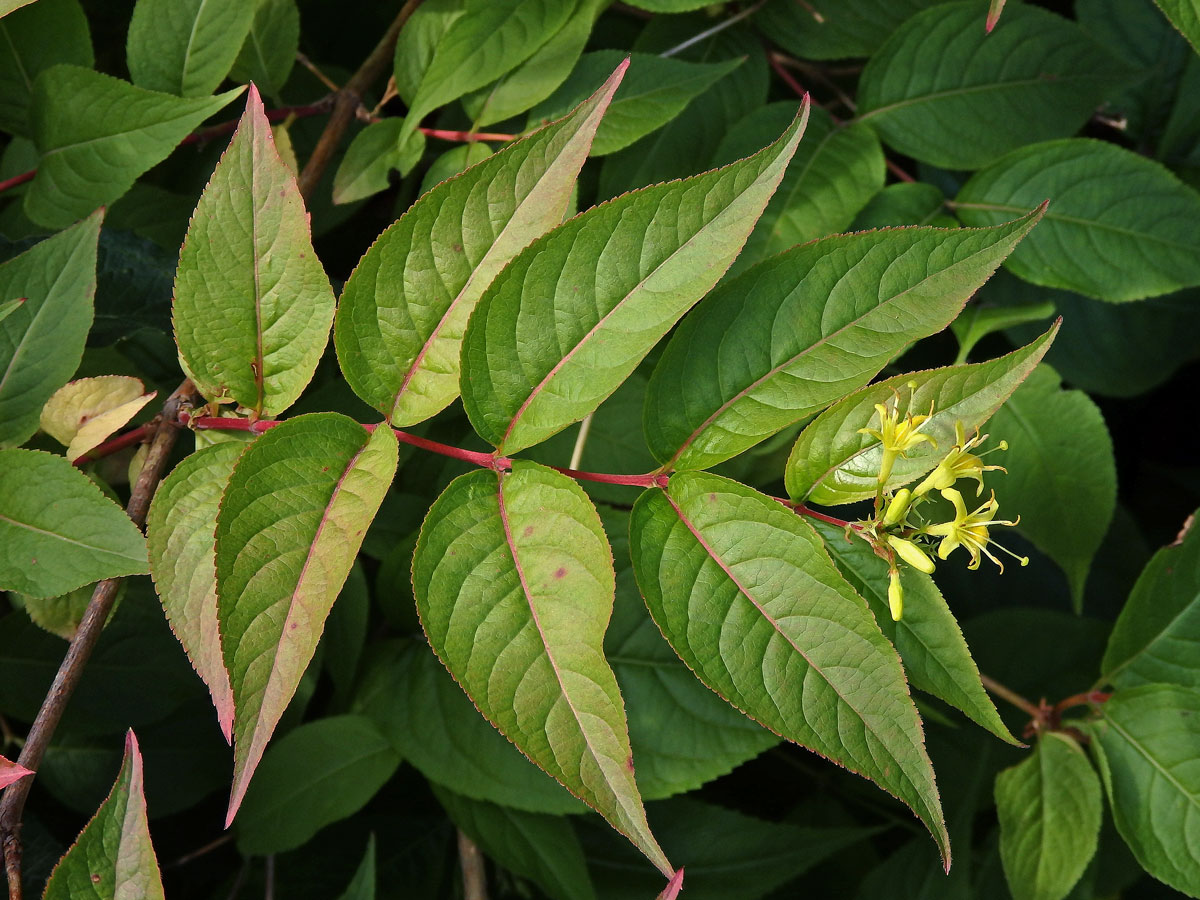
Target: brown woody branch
166 428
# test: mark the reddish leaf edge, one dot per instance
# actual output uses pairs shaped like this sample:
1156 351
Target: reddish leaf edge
11 771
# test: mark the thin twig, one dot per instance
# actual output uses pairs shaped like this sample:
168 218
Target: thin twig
333 86
212 845
716 29
1008 694
349 98
585 428
67 679
474 871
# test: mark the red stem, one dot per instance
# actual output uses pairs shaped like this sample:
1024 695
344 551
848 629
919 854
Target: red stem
16 180
467 136
820 517
136 436
1085 699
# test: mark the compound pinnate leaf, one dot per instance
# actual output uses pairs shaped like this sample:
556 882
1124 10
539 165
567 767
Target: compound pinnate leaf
186 47
655 91
253 305
403 311
10 772
1157 635
96 134
290 524
945 91
478 47
319 773
514 584
800 330
745 593
832 462
1145 747
42 338
1050 810
180 534
1062 476
928 639
1185 16
112 858
57 530
82 413
52 32
574 313
1120 226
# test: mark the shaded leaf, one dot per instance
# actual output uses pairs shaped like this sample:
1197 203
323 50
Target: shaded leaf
1050 811
290 524
979 320
1185 16
42 340
540 353
832 29
180 535
654 91
186 47
1145 747
1120 226
362 885
403 310
33 39
526 548
374 153
542 848
800 330
434 726
947 92
935 655
1155 639
82 414
833 463
1062 476
319 773
253 305
269 51
452 162
747 596
57 530
112 857
89 156
904 203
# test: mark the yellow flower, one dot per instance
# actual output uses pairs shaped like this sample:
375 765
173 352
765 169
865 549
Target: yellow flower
959 463
970 530
896 435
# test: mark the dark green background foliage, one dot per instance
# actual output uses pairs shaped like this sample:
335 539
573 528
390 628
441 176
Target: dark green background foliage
378 759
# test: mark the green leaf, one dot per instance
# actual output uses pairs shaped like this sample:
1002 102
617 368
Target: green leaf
1050 811
1120 226
1185 16
253 305
655 90
542 848
480 45
403 310
730 856
945 91
33 39
836 170
452 162
42 340
90 155
321 772
112 857
57 530
269 50
747 596
683 736
82 414
514 583
931 645
669 6
1145 747
434 726
540 353
832 29
1156 635
800 330
362 885
290 524
979 320
180 529
1062 476
186 47
904 203
535 79
7 309
372 155
833 463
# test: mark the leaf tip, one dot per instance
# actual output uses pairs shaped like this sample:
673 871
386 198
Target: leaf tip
674 886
